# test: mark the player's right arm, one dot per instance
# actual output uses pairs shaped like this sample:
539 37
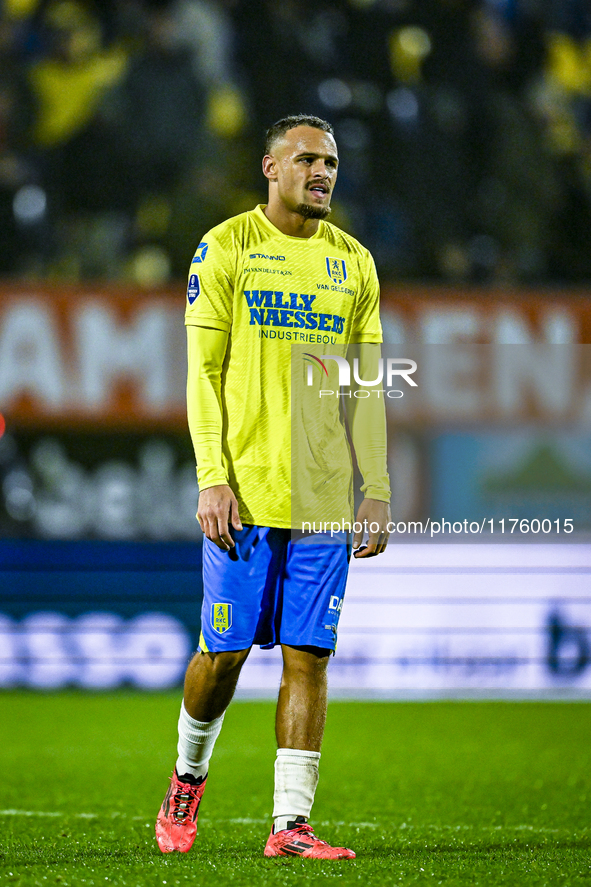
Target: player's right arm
208 318
218 508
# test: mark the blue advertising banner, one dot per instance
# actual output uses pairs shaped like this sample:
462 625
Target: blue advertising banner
97 614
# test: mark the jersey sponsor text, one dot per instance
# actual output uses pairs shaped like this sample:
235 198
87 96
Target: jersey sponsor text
275 308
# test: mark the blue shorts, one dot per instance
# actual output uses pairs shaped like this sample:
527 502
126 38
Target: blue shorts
273 588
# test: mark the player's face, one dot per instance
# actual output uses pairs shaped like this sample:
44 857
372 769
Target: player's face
304 165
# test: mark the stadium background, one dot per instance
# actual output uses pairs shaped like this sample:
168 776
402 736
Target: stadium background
129 128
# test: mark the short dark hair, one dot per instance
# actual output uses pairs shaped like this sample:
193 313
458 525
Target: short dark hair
286 123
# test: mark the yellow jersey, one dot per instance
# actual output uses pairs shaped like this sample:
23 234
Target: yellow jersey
283 302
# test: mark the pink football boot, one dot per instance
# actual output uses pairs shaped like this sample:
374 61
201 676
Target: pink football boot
176 825
301 841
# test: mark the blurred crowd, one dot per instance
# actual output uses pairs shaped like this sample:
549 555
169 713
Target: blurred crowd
129 127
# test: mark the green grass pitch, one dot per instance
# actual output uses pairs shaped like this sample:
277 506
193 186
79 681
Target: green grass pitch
468 793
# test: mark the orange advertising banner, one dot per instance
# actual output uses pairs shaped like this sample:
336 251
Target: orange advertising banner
92 357
95 357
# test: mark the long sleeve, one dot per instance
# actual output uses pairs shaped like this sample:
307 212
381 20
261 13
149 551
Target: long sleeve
367 424
206 349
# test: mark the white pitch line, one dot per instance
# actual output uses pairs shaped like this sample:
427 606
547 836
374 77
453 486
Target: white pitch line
28 813
239 820
206 820
55 813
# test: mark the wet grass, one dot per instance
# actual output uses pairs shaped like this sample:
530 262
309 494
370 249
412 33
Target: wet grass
425 793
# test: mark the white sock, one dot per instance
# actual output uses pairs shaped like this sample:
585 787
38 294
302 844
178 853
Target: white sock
196 742
296 778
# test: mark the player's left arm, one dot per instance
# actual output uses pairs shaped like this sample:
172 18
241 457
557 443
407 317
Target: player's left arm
375 516
367 424
367 417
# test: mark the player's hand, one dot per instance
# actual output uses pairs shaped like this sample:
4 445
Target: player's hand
216 511
375 516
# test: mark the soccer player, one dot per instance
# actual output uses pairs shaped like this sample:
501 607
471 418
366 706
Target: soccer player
261 283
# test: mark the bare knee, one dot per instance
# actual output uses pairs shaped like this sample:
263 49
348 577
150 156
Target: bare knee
219 665
210 682
308 662
227 662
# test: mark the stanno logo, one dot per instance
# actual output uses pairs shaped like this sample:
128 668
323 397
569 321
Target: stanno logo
336 269
221 617
263 256
200 254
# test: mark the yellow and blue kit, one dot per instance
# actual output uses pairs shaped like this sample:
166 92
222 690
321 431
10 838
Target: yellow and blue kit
277 301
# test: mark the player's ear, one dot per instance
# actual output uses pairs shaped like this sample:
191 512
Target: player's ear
270 167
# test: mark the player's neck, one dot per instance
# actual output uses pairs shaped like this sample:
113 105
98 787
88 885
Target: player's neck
288 222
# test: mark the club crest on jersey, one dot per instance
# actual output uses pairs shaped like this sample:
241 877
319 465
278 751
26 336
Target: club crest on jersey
193 289
200 254
221 617
336 269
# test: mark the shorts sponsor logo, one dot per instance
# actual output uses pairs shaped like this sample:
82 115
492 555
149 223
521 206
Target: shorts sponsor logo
201 253
221 617
193 290
336 269
336 603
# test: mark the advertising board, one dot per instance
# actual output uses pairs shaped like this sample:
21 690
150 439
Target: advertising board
489 456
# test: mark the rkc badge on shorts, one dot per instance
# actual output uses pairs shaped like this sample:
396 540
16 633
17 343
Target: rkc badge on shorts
221 617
